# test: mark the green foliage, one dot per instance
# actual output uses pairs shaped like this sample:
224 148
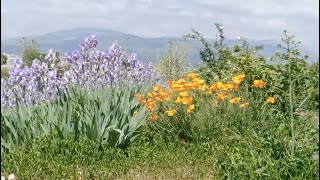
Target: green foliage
79 135
305 77
4 72
29 50
4 59
221 63
173 64
104 115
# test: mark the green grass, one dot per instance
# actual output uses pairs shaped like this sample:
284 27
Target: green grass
228 143
229 156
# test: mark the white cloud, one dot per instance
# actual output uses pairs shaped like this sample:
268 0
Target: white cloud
152 18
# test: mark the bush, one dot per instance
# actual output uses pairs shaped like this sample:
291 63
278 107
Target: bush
4 72
4 59
29 50
221 64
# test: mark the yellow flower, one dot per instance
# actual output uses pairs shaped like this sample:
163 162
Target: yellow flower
271 100
150 105
150 108
184 94
171 112
235 100
157 88
203 87
198 81
214 87
238 79
192 75
187 101
135 113
258 83
153 117
191 106
181 81
228 86
170 84
244 105
150 95
220 96
220 85
178 100
235 86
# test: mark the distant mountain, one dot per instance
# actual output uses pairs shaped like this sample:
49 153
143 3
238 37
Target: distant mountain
146 48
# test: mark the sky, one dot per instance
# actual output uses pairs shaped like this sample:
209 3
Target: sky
253 19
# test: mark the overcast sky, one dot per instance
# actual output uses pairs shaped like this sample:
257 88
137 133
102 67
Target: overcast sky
254 19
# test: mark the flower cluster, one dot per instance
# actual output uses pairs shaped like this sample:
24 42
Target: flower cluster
88 68
179 93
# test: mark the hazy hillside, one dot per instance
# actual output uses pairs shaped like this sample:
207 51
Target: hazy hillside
146 48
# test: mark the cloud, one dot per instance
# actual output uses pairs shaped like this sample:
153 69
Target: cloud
152 18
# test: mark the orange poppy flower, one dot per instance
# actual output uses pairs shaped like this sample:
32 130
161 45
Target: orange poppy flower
235 100
258 83
271 100
220 96
153 117
171 112
244 105
192 75
157 88
187 101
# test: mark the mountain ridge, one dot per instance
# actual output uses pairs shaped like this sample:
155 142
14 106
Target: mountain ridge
147 48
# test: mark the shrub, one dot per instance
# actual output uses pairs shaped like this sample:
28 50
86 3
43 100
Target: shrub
174 106
4 59
4 72
296 75
29 50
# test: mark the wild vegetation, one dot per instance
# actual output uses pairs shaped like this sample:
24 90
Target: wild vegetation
105 115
